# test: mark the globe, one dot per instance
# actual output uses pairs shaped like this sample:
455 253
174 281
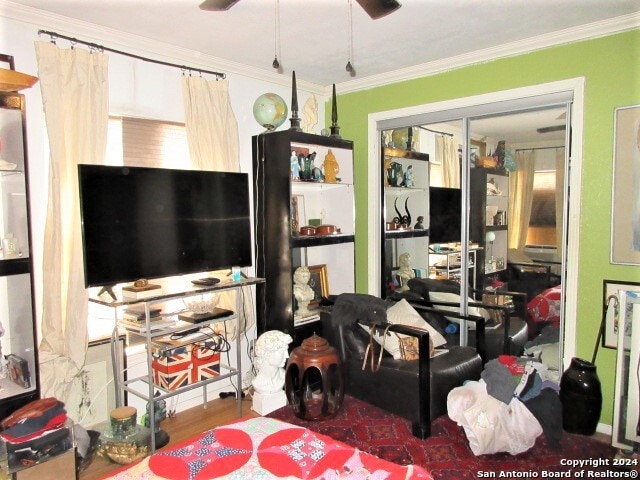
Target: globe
270 111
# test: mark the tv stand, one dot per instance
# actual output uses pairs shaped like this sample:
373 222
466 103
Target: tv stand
242 275
144 386
108 289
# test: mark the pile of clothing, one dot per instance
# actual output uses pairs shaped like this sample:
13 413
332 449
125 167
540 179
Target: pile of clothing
513 403
36 432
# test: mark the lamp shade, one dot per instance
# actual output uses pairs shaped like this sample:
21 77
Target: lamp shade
491 236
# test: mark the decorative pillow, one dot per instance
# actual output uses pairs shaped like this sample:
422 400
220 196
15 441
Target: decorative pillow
545 307
410 348
403 313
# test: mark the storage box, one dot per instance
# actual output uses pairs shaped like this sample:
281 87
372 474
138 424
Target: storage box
181 366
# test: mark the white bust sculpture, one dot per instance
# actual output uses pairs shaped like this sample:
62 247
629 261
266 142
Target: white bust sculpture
271 352
405 272
301 290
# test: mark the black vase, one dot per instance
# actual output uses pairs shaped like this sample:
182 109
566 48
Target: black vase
581 397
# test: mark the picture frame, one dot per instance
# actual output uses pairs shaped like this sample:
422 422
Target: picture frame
298 213
93 393
611 311
626 416
625 190
319 282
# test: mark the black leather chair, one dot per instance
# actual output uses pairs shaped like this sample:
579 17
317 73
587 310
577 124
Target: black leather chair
531 278
508 338
416 390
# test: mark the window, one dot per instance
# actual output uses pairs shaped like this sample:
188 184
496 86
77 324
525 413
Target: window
542 224
145 143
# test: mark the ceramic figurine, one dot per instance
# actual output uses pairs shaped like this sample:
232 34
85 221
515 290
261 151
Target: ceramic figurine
405 273
408 177
295 166
331 168
302 292
419 225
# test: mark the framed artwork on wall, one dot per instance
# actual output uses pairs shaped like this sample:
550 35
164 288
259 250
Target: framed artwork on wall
612 312
625 197
626 417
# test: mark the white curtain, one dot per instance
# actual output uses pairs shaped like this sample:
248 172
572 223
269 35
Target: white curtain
74 86
212 134
520 197
560 163
447 152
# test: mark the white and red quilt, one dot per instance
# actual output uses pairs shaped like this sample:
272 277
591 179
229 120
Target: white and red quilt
265 448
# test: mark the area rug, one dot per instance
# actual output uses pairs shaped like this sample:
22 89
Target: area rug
446 454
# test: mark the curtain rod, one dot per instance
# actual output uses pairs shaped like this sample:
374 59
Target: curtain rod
95 46
435 131
537 148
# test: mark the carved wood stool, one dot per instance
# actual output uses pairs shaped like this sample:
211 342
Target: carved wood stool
314 380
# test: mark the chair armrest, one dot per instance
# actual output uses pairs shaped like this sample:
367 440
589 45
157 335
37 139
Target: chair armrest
427 306
421 428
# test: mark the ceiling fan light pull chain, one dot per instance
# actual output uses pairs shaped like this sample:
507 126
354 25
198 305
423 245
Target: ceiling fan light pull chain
276 64
349 67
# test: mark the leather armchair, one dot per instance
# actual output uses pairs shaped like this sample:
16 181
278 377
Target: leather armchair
508 338
531 278
416 390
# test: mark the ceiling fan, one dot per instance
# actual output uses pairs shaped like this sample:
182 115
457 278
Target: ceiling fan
374 8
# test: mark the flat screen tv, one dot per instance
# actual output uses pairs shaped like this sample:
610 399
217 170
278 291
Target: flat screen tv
444 214
145 223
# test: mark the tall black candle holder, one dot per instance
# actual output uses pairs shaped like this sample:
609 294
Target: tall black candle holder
295 120
335 129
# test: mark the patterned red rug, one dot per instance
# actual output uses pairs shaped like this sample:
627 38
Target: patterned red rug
446 454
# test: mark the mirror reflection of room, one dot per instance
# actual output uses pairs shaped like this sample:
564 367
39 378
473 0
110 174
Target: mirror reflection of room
516 201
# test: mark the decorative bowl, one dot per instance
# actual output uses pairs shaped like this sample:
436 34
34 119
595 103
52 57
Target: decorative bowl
327 229
203 304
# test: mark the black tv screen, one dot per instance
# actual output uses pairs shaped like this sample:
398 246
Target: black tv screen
143 223
444 214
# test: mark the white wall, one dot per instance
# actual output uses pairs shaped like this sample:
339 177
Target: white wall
136 88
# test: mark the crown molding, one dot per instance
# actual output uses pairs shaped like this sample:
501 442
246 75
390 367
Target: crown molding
570 35
142 46
172 54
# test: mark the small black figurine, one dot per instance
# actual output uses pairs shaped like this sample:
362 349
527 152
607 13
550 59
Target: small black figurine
419 225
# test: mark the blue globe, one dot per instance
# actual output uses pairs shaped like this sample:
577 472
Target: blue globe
270 110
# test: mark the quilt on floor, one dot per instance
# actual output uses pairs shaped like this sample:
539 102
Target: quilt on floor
265 448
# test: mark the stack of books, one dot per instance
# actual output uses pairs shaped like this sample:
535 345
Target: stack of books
134 318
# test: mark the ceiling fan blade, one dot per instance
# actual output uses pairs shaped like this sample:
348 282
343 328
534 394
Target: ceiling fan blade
554 128
379 8
217 5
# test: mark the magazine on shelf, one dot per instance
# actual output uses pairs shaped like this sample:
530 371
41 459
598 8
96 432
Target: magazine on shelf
303 320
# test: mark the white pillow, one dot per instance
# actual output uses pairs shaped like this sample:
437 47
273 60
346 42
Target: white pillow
403 313
455 298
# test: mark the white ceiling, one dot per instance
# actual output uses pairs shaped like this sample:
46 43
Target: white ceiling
314 34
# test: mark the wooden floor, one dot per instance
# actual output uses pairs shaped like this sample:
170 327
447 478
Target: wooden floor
182 426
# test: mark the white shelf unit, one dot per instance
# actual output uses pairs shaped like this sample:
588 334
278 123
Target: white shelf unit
448 265
143 386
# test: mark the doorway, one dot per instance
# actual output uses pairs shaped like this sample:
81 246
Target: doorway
471 118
